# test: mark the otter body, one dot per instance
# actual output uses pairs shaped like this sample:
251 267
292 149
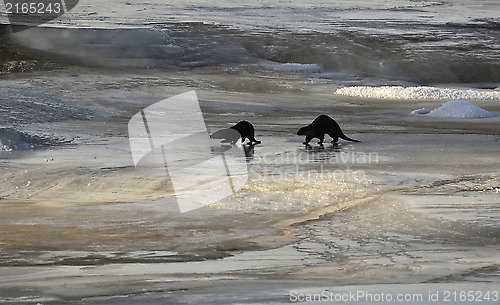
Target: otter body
245 131
321 125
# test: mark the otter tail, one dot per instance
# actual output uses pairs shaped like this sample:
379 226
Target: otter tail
343 136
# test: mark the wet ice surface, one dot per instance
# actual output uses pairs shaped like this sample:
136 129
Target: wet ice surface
407 205
24 103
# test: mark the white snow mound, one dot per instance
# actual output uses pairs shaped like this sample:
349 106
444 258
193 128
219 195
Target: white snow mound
460 109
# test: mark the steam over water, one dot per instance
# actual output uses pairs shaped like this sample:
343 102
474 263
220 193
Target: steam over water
408 41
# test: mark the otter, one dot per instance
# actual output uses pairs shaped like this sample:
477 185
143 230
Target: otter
245 129
321 125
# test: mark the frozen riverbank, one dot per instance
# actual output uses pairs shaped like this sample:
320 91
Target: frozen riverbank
415 202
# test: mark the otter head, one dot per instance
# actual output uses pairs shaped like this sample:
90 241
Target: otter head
304 131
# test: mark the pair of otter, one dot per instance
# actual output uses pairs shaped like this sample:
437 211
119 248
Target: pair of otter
317 129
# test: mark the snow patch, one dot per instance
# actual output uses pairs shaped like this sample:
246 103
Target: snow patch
460 109
4 147
421 111
294 68
419 93
456 109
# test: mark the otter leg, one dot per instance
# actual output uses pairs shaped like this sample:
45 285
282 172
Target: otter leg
253 141
335 139
321 139
308 139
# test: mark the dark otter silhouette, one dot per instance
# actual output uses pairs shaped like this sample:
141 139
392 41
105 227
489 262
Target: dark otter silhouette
321 125
245 129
